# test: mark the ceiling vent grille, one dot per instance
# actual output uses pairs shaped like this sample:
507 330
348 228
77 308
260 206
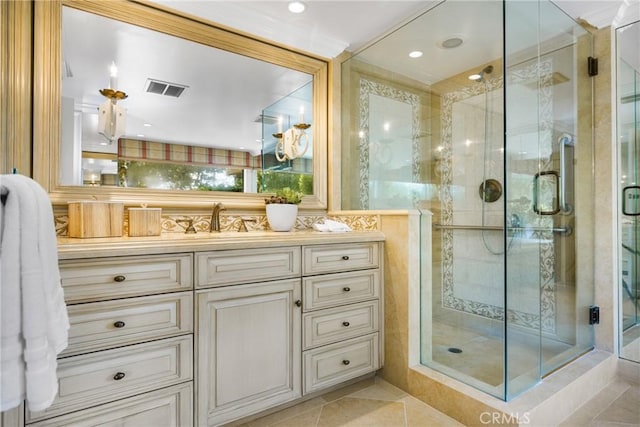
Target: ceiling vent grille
164 88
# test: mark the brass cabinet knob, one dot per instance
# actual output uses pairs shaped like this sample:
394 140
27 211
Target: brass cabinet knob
118 376
345 362
298 303
346 289
345 257
345 323
119 324
119 278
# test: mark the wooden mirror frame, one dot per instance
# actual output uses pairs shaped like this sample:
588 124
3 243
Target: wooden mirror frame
47 100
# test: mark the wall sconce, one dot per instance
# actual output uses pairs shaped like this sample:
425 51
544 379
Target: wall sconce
289 145
111 117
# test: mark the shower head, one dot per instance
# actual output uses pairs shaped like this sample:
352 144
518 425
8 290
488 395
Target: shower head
480 76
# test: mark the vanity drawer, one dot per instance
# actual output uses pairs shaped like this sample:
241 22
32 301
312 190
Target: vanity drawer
107 278
101 325
339 289
96 378
340 257
331 325
171 407
335 363
229 267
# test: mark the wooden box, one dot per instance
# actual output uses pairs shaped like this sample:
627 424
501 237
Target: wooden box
145 222
95 219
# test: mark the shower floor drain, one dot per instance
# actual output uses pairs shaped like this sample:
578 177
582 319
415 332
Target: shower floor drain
454 350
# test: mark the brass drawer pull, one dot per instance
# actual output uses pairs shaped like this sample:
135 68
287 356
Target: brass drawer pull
118 376
119 324
119 278
345 323
345 362
298 303
345 257
346 289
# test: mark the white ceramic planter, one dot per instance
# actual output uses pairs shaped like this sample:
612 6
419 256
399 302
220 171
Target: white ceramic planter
281 217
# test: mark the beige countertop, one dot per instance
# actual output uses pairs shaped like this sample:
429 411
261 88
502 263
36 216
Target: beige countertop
73 248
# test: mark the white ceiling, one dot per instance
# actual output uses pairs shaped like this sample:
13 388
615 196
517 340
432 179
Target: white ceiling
326 29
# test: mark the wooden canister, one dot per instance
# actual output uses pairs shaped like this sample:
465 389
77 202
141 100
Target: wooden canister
145 222
94 218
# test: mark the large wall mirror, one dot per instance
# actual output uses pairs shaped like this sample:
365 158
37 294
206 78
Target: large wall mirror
137 103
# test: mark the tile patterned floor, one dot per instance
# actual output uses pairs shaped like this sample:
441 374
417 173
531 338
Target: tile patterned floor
618 405
372 402
375 403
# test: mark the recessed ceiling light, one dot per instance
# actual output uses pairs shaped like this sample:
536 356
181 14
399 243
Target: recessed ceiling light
451 42
475 77
147 125
140 135
415 54
297 7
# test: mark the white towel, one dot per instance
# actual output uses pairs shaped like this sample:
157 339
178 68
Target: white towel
35 324
333 226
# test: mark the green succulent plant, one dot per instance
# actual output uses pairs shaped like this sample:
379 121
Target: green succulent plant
285 196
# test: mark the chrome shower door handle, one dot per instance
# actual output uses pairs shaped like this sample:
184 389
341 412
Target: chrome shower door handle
631 198
554 206
565 142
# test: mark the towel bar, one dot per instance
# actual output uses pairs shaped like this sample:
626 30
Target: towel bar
560 230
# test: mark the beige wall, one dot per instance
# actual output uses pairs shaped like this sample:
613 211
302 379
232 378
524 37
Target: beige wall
605 195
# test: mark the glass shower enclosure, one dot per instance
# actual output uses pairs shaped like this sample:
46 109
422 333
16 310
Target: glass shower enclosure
629 188
478 114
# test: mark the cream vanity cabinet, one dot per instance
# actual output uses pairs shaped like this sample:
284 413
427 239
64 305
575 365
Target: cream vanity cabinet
248 331
214 331
342 313
130 355
251 330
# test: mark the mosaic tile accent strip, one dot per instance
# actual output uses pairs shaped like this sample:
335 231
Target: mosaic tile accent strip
546 319
232 222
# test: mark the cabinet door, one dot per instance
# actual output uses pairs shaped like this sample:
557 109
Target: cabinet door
249 349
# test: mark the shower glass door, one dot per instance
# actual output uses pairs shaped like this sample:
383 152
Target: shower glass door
548 181
629 190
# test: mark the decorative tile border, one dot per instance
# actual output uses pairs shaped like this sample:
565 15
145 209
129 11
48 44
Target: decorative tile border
232 222
546 319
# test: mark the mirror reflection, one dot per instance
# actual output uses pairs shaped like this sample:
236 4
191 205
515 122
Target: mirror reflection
145 109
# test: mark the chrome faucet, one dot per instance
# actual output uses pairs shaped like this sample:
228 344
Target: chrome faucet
215 217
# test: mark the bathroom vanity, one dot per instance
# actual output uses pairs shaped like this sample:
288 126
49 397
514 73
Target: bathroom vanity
209 328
